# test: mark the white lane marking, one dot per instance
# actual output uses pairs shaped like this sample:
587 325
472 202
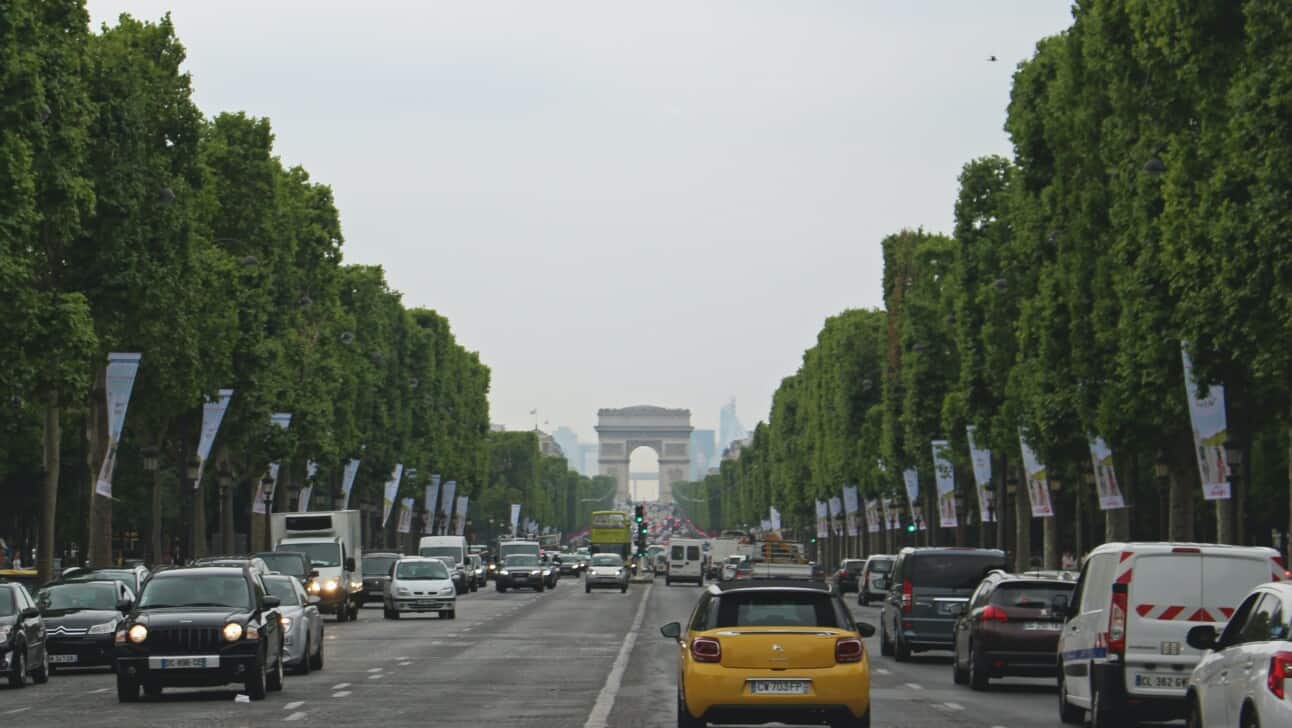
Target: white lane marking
436 643
915 686
405 663
606 699
100 690
374 669
341 694
883 671
376 677
295 716
954 706
294 705
17 710
340 686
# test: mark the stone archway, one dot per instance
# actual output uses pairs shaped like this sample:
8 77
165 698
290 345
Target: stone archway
666 431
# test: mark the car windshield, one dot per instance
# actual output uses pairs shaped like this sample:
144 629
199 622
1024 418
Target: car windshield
451 551
944 571
320 554
735 559
7 608
285 563
758 608
283 587
378 565
94 595
196 590
607 560
882 566
1031 595
518 548
421 570
520 560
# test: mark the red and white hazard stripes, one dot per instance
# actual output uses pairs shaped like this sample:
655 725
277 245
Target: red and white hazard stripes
1181 613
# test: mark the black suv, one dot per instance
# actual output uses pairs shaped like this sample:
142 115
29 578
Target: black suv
197 627
925 592
22 637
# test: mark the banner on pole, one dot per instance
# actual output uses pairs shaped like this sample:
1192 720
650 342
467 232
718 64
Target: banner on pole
118 381
945 476
873 518
850 508
891 517
212 416
392 489
1038 484
347 481
515 517
981 459
432 496
448 490
775 518
1110 493
836 515
822 519
1210 433
405 515
911 479
460 517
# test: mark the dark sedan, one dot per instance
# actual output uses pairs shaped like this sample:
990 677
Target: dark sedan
521 571
81 618
22 637
376 574
845 579
292 563
200 627
132 577
569 564
1008 629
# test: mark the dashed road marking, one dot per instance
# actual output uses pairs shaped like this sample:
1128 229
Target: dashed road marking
294 705
341 686
883 671
375 669
954 706
341 694
405 663
100 690
295 716
377 676
606 698
17 710
915 686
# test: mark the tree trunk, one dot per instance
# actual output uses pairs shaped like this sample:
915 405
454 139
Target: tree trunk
1079 516
1002 503
1180 487
226 517
154 529
1023 529
1225 521
51 439
1051 542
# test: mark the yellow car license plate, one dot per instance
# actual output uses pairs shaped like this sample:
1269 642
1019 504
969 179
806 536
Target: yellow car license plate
779 687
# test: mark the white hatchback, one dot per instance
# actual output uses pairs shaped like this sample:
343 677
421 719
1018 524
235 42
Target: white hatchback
421 584
1244 678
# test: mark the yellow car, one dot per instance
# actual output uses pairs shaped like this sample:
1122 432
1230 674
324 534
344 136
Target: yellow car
761 652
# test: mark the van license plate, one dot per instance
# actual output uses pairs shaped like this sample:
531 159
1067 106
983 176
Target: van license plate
779 687
1169 682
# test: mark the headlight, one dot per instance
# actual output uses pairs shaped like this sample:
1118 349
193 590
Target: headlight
447 592
137 634
504 572
403 591
492 567
313 587
286 622
233 631
105 628
330 585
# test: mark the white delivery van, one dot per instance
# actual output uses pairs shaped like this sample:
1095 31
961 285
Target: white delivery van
685 561
331 541
1123 654
449 547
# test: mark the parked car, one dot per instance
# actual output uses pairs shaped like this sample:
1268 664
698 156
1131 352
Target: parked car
292 563
520 571
421 584
376 574
874 579
23 651
848 575
760 651
1242 678
607 571
201 626
927 584
81 618
1009 628
301 621
1123 653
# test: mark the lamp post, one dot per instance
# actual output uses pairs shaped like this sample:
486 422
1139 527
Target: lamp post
1234 455
267 493
226 508
193 471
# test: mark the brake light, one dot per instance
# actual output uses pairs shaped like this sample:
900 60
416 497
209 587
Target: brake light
706 649
1280 670
993 612
843 573
1117 621
907 598
848 650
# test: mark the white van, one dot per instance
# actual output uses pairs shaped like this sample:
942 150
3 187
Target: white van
1123 654
454 547
685 561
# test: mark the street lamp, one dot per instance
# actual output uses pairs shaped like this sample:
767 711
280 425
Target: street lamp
267 492
226 508
152 465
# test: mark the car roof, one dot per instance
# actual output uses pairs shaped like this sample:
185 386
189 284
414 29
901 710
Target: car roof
1140 547
790 585
383 553
949 550
202 570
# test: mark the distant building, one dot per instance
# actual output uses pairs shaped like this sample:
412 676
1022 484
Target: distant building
547 445
495 427
590 465
729 427
703 453
569 443
733 451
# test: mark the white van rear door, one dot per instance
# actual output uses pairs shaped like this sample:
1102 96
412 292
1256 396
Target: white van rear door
1165 597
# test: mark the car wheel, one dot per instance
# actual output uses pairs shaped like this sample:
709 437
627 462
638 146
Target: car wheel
453 614
1069 713
152 689
474 587
684 718
274 681
18 668
316 660
1250 719
901 650
127 689
392 614
354 612
1102 713
501 589
623 589
978 675
305 667
340 612
255 683
40 675
885 647
959 675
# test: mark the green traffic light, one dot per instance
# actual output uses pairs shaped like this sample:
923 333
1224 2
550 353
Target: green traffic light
910 528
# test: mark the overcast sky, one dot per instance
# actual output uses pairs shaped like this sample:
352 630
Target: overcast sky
622 203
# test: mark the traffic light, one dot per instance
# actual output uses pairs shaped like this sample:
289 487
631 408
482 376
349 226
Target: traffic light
910 527
814 539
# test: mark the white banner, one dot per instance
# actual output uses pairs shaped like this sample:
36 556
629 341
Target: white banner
981 459
347 481
460 517
775 518
1110 493
118 381
515 517
874 521
911 479
891 519
432 500
822 519
1038 484
836 514
392 490
945 475
212 416
850 508
303 498
1210 433
405 515
446 503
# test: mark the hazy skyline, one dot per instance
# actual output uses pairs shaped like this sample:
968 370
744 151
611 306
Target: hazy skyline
622 204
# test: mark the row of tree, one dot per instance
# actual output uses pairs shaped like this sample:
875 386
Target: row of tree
1145 211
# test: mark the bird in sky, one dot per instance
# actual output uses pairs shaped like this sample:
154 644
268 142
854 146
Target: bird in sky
992 58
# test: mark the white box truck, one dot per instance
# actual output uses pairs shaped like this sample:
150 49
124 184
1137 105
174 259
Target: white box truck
332 542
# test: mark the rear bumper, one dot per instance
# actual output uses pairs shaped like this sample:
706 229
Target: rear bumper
721 694
86 652
927 634
1003 663
793 715
1110 678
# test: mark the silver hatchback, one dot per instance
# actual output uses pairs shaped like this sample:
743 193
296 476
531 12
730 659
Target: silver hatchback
302 623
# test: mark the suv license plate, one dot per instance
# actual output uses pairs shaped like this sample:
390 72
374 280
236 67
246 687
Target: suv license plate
183 663
63 659
779 687
1170 682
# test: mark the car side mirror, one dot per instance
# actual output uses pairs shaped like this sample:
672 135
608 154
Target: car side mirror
673 630
1202 637
349 563
1060 605
271 602
29 613
313 599
866 629
314 574
123 605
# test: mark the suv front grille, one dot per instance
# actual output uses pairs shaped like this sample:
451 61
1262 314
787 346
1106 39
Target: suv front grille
184 639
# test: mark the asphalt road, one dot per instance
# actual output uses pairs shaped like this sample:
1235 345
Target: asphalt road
562 658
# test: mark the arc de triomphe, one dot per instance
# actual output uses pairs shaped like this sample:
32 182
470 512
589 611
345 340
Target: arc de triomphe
666 431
